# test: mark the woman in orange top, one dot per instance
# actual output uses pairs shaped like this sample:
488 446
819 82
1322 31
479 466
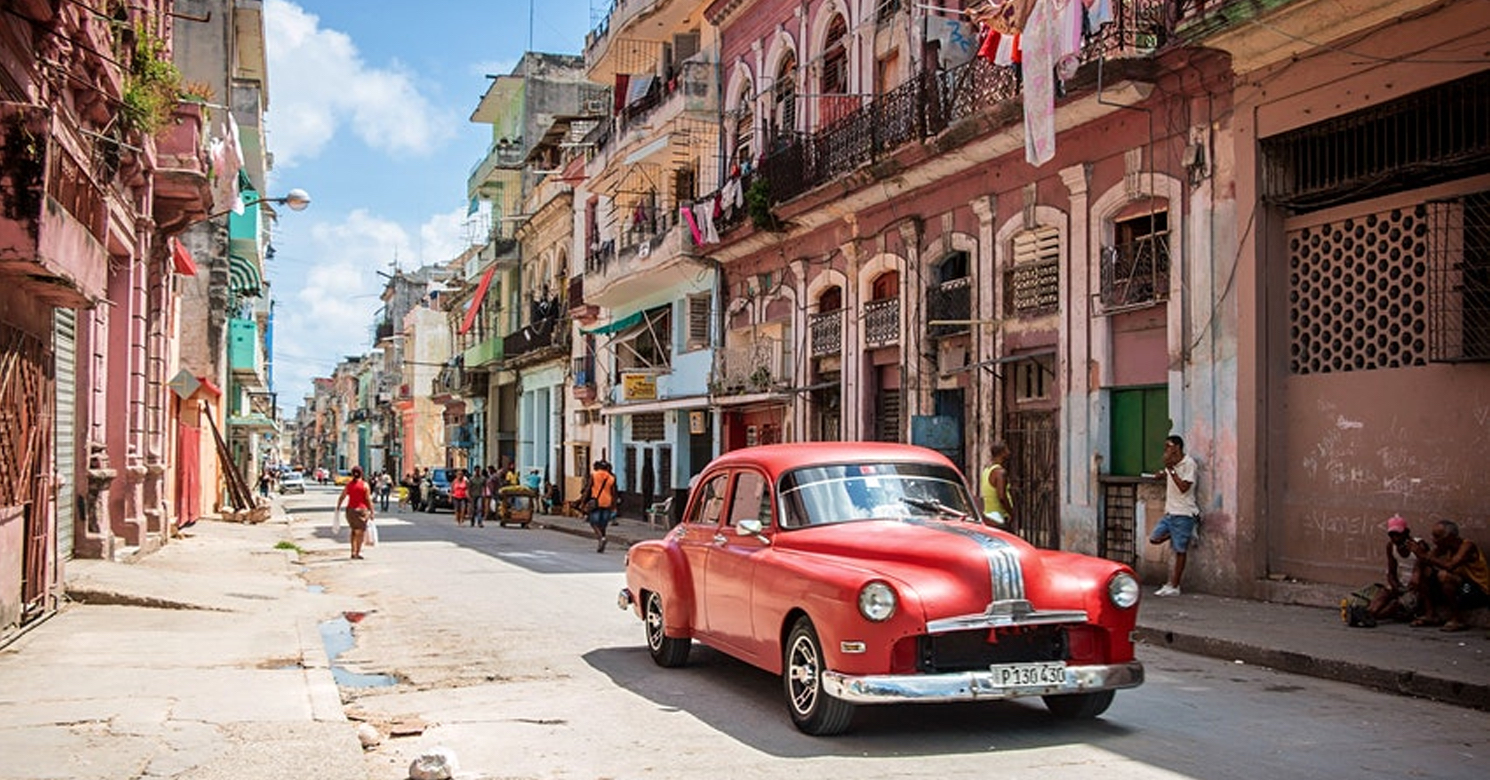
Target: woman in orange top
358 498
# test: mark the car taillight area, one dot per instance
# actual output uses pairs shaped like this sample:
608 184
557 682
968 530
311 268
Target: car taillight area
976 650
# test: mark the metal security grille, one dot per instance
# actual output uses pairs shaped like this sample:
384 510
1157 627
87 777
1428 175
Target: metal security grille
1033 440
650 426
1120 521
1430 136
1459 297
1033 282
1358 293
887 415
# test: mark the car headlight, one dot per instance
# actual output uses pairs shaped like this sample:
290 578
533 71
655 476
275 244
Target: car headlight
877 601
1123 590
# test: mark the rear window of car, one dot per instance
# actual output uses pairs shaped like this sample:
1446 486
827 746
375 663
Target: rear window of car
818 495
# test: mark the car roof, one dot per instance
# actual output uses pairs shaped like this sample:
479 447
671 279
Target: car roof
776 459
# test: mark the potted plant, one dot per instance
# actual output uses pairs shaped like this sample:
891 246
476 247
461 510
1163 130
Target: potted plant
758 204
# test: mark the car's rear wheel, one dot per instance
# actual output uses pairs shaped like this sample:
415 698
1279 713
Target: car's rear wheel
813 710
666 651
1079 706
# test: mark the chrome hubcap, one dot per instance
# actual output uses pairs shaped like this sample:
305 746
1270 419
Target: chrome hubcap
802 671
654 621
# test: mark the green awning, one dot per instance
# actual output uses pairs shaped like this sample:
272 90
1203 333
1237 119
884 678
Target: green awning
244 277
629 321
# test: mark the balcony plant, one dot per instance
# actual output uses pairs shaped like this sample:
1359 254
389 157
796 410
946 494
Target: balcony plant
152 87
758 205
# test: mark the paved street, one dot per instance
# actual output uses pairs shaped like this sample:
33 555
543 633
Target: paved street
509 648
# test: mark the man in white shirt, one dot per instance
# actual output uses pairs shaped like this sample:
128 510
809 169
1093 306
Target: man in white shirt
1181 510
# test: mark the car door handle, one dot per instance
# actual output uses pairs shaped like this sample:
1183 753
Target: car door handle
720 540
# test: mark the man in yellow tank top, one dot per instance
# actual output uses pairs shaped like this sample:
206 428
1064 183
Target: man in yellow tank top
993 484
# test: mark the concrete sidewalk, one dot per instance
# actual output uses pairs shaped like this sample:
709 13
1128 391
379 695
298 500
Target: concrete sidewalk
1308 640
203 658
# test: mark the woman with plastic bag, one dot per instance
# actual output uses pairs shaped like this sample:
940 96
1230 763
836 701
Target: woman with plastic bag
358 499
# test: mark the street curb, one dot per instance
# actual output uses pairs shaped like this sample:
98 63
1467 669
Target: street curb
1456 692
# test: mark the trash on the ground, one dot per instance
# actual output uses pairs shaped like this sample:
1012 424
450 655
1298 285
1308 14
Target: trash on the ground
435 764
368 734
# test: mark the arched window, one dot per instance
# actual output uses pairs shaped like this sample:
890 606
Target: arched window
784 91
830 300
885 287
835 57
835 100
744 124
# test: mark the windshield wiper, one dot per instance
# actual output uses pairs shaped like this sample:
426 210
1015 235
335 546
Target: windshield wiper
933 505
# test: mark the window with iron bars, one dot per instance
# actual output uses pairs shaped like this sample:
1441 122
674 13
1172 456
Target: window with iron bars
1135 269
1459 278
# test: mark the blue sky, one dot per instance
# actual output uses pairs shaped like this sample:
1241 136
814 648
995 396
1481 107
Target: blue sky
369 112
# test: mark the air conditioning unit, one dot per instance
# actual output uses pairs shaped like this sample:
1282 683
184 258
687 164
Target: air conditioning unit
595 106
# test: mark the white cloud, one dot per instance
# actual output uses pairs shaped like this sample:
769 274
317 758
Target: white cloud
331 315
319 83
443 236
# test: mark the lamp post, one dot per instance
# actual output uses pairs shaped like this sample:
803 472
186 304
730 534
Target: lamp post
297 199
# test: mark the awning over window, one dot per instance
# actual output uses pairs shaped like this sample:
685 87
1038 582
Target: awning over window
243 276
182 259
470 318
616 326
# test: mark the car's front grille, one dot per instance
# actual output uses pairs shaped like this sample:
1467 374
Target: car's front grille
963 651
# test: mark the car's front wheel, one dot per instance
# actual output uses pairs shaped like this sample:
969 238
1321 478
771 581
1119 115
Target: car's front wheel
666 651
813 710
1079 706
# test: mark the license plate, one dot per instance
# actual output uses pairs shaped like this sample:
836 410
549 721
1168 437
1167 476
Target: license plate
1019 675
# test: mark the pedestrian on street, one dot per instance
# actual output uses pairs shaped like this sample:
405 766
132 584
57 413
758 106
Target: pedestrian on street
460 496
1181 510
477 489
385 488
416 490
358 499
601 502
994 486
1456 577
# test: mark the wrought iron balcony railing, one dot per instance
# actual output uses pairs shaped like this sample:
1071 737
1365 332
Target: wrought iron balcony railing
882 323
1135 274
950 306
827 333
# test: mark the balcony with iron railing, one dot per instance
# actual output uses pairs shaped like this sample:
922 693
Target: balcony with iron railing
502 164
1135 274
54 221
826 332
649 126
758 366
930 103
630 21
882 323
949 307
540 340
657 255
583 369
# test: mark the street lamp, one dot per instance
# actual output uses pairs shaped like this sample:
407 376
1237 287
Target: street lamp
297 199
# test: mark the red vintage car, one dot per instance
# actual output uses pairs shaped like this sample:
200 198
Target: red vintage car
863 574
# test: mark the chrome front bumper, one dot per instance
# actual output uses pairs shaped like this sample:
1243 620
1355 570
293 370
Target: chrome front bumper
971 686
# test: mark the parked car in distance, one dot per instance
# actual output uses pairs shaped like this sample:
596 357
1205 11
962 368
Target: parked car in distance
292 482
342 477
863 574
437 489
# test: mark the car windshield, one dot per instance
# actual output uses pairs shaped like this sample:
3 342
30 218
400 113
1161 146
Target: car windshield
831 494
294 476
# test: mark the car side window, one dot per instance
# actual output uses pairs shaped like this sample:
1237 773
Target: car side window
711 503
750 500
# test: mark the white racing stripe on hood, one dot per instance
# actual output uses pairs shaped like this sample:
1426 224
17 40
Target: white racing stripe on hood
1005 569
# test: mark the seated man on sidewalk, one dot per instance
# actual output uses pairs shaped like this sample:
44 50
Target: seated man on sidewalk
1455 577
1398 598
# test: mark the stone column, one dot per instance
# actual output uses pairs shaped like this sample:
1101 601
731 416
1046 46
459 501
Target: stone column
985 275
